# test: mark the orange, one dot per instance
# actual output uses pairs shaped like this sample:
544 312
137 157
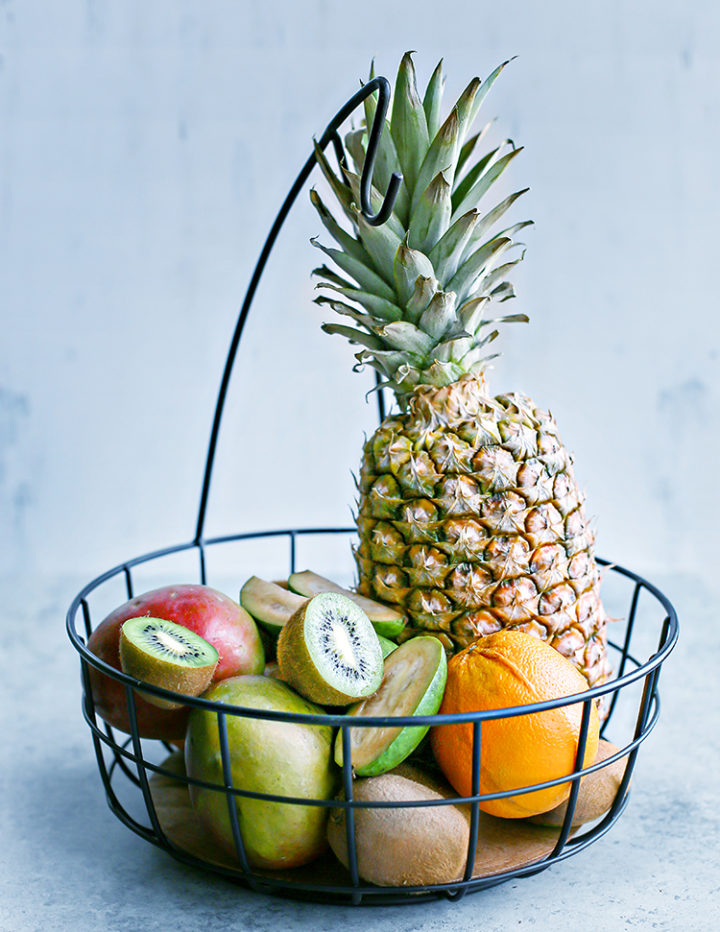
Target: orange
506 669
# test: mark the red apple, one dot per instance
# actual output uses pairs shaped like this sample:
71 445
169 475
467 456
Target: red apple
207 612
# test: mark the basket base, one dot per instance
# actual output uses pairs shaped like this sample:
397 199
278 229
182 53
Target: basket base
503 844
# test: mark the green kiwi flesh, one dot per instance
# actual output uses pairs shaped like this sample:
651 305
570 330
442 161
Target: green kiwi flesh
329 651
386 620
269 603
413 683
167 655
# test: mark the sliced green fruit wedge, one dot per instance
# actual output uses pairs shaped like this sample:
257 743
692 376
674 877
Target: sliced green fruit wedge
329 652
164 654
386 646
269 603
386 620
413 683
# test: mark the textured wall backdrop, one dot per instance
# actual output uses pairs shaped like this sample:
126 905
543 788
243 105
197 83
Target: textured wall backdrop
144 149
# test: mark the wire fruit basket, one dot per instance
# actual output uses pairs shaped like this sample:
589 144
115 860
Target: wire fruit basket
148 791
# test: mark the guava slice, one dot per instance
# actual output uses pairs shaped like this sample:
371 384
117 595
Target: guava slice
387 621
413 683
269 604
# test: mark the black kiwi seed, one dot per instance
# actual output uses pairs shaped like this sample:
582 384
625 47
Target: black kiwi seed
358 672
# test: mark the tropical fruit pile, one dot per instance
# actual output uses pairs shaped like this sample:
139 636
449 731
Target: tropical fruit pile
330 658
477 584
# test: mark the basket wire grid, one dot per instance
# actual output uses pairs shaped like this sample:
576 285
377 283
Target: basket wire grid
128 758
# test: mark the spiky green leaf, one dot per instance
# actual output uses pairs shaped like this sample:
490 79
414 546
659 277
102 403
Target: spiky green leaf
447 253
381 243
341 190
329 275
425 289
462 189
360 271
355 145
408 266
483 90
350 245
440 158
402 335
452 350
488 220
470 314
465 108
442 373
495 275
467 148
483 183
408 123
432 101
439 316
431 217
476 353
353 335
365 320
377 306
476 265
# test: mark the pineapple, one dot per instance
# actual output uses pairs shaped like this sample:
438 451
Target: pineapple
469 517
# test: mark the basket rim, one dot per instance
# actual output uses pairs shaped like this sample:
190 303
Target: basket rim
668 640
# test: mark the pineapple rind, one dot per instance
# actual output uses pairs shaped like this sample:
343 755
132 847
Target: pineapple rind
463 546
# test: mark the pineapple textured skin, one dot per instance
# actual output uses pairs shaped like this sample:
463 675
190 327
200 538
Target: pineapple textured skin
470 520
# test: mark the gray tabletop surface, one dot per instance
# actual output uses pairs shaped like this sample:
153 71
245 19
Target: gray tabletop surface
67 863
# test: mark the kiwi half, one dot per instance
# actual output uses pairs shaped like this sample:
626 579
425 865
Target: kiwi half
387 621
413 683
164 654
329 652
269 603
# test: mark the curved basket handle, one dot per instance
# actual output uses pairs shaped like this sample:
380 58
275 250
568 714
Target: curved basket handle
330 135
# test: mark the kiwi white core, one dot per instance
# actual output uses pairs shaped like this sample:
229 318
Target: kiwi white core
173 644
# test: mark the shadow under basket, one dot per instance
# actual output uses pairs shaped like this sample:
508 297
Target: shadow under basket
148 790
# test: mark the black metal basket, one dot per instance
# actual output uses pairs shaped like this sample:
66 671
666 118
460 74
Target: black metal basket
127 764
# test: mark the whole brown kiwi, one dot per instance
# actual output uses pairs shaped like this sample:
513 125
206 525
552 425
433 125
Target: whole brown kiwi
596 794
404 846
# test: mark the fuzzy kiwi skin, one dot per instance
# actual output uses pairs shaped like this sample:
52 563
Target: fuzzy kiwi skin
189 681
596 794
297 667
404 846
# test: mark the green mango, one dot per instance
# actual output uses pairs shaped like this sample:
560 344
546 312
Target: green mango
282 758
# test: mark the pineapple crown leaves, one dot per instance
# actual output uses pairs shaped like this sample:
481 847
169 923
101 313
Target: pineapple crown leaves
416 290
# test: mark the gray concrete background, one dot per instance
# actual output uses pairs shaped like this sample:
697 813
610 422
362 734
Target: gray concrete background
144 150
